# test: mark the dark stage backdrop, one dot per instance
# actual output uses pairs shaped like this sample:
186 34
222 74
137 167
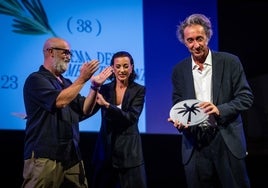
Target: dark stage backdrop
96 29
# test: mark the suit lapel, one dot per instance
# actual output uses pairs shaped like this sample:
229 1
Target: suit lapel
217 73
127 96
189 81
111 90
130 91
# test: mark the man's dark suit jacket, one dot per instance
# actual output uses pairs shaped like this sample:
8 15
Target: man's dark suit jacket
119 139
231 94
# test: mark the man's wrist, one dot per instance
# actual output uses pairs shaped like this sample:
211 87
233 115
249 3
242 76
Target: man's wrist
94 87
107 105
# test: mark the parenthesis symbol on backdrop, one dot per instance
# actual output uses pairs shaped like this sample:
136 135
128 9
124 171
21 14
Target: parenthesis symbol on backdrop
99 24
68 25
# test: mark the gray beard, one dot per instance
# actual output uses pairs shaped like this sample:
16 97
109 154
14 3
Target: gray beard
60 66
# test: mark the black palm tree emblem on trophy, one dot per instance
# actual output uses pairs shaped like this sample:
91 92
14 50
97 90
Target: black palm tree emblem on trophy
188 110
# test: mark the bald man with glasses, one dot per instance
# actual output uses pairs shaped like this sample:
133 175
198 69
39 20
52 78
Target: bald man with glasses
54 108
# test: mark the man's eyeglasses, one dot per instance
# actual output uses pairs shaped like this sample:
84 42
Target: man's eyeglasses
65 51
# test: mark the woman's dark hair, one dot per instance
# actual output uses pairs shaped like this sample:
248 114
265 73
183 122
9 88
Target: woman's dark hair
133 75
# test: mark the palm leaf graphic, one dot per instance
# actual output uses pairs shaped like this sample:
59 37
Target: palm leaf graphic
29 17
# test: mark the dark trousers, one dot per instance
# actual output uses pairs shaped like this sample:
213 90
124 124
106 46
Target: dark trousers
106 176
214 166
